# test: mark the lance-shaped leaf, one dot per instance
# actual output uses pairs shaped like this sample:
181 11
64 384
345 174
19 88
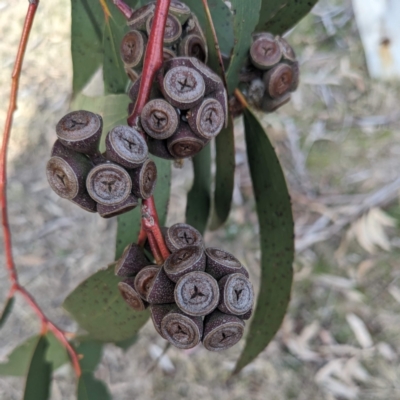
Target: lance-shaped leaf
224 177
276 240
90 353
90 388
86 40
6 310
223 21
129 223
199 197
245 21
99 308
277 16
20 357
39 374
115 27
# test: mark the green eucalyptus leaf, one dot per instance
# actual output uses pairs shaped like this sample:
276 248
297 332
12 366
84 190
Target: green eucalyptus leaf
126 344
99 308
278 16
114 75
245 21
199 196
225 175
38 381
91 352
6 310
90 388
223 22
19 358
276 240
86 40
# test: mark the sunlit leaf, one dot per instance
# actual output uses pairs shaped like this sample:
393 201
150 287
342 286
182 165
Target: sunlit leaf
276 240
98 307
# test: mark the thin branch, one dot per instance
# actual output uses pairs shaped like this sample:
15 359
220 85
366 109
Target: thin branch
10 265
217 48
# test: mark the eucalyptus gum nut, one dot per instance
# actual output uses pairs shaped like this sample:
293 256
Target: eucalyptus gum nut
133 92
247 315
132 49
193 27
278 80
236 294
181 235
131 296
207 118
193 46
109 184
126 146
256 92
80 131
131 262
181 330
159 119
109 211
161 290
287 50
168 54
144 179
222 96
172 32
185 143
62 151
144 280
222 331
159 148
271 105
265 52
180 10
183 261
296 76
183 87
220 263
140 16
158 312
132 74
84 201
66 174
197 293
212 81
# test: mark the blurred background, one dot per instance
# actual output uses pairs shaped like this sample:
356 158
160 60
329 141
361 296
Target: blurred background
339 143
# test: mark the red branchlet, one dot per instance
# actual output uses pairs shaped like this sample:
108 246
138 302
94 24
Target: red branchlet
10 265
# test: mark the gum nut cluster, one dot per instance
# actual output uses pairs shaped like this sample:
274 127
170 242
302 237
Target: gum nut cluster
199 294
108 183
272 73
188 106
183 36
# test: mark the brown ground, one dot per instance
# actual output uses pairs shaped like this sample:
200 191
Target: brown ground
337 139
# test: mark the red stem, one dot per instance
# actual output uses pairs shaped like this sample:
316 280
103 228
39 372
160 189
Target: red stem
153 61
124 8
10 265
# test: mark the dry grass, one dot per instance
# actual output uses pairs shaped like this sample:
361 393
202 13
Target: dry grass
338 139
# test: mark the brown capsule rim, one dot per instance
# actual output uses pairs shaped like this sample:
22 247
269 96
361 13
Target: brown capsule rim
68 171
92 119
206 103
140 45
208 337
106 166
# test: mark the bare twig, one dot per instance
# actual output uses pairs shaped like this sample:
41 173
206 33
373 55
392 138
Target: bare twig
10 265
